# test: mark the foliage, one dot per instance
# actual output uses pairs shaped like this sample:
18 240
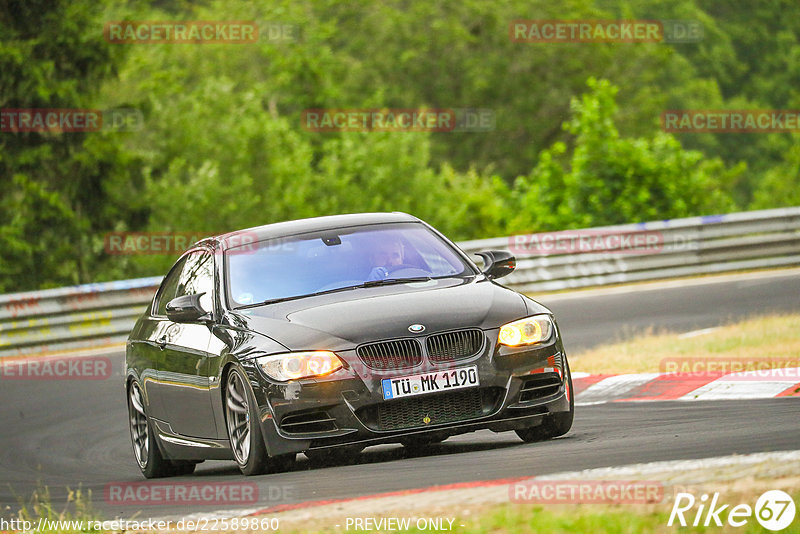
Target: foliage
613 180
53 187
222 145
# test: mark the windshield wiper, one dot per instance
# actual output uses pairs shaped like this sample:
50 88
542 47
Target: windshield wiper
368 283
390 281
294 297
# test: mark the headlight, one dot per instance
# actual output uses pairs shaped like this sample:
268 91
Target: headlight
296 365
526 331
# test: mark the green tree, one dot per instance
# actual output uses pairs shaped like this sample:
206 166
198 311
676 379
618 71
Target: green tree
54 187
223 146
609 179
780 186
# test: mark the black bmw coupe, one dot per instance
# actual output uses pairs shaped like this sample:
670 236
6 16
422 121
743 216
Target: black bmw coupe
328 335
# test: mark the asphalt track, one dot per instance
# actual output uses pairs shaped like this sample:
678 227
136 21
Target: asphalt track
69 433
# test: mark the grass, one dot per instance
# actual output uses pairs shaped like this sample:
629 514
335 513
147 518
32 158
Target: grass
762 338
589 518
77 510
496 519
577 518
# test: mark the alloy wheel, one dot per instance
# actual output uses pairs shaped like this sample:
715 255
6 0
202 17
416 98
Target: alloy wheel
138 423
238 417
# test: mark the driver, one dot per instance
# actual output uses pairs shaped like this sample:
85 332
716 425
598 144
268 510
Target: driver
386 255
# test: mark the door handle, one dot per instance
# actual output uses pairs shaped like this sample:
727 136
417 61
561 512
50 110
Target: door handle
162 342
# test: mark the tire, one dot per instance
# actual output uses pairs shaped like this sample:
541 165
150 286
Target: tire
143 438
554 425
337 455
242 422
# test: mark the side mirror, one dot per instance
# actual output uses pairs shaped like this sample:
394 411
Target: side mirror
186 309
498 263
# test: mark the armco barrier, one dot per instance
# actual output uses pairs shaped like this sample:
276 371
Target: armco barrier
692 246
103 313
72 317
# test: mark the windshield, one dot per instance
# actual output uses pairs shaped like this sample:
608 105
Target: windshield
332 260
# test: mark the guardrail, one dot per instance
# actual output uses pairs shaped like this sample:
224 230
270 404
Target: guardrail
103 313
72 317
681 247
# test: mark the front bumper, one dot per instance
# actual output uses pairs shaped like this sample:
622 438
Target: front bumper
518 388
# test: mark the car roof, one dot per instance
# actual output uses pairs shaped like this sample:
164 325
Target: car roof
301 226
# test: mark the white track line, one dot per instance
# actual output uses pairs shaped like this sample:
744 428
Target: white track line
613 388
695 333
670 472
747 385
791 458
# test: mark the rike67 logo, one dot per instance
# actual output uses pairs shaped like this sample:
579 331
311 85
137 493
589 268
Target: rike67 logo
774 510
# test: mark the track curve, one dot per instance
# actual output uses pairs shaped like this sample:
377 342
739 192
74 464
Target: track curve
70 433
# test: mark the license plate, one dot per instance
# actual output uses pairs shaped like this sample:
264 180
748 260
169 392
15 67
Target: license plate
408 386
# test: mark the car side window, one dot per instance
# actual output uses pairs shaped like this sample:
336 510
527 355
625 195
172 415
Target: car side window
168 288
197 276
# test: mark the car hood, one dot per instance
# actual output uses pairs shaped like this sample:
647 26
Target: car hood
343 320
